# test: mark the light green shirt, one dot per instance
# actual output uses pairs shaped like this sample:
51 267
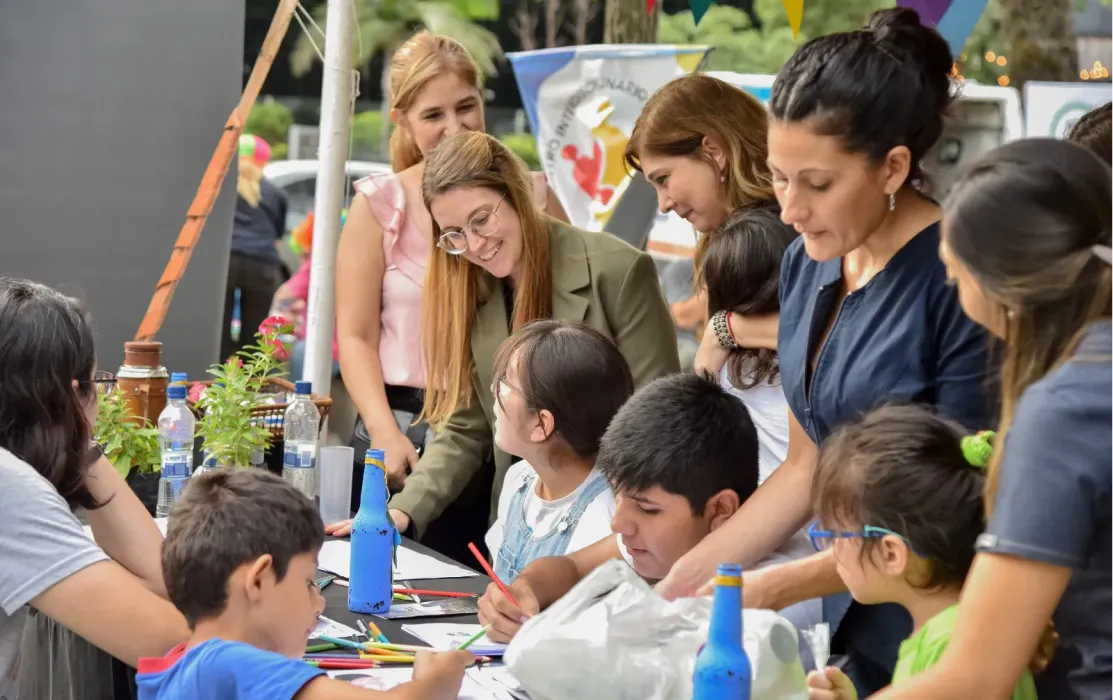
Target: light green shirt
923 649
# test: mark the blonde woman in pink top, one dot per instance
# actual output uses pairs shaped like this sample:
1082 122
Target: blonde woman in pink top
386 242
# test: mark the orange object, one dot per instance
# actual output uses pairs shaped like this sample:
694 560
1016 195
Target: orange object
203 201
441 594
491 573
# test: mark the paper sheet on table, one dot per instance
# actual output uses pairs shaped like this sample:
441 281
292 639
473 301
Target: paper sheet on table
474 687
335 557
332 628
160 522
449 635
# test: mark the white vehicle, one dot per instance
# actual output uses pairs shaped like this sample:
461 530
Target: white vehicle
298 179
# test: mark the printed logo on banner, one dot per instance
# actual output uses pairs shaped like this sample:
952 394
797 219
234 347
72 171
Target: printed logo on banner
589 138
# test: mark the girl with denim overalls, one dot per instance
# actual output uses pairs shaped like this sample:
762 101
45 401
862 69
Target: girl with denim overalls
556 387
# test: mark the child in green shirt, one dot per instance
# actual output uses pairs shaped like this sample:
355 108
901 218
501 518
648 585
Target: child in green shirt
899 500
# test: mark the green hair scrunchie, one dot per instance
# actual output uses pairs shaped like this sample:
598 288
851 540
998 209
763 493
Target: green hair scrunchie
978 448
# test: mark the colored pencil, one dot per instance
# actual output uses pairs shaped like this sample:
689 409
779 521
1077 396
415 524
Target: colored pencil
378 633
491 572
472 639
404 598
343 665
396 647
406 584
321 647
341 642
441 594
323 582
363 630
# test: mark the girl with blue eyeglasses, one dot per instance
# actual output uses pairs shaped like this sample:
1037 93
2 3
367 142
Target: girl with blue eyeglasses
899 500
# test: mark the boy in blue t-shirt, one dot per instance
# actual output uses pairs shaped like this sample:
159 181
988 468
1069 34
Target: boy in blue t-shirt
240 563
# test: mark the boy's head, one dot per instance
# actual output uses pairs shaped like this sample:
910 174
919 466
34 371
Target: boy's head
1093 131
682 457
242 545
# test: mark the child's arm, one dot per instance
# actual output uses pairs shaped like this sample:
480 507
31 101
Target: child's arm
539 585
436 677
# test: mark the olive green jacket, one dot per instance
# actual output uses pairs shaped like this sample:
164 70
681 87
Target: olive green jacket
597 279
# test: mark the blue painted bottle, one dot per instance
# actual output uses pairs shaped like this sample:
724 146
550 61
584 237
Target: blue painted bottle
722 667
374 537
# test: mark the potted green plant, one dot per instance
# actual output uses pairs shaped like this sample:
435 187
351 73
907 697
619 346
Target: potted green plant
131 444
232 435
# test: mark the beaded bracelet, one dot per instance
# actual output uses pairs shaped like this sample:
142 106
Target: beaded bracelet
720 323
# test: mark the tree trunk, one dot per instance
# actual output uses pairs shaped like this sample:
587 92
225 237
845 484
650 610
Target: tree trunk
1039 36
628 22
583 11
524 25
554 15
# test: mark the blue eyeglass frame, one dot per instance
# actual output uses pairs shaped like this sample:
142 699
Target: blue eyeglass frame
867 532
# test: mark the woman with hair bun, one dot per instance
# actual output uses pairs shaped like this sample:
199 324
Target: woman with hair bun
866 314
436 90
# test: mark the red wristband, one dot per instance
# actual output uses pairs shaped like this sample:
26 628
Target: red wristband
730 330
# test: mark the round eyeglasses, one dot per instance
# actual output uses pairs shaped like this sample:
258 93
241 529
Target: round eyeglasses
482 224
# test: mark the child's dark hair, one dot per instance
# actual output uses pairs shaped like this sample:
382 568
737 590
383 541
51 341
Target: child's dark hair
886 85
570 370
742 270
1092 130
684 434
904 469
227 518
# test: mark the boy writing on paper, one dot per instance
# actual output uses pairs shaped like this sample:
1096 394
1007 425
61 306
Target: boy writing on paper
682 456
240 563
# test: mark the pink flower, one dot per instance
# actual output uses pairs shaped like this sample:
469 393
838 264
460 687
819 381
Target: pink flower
271 325
195 392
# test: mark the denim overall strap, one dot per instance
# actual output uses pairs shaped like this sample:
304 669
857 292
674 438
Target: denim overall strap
520 546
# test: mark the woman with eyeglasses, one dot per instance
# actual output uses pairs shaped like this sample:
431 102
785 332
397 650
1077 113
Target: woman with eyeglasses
500 262
436 91
1022 231
108 589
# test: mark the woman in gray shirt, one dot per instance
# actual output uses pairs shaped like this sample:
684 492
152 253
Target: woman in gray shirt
109 591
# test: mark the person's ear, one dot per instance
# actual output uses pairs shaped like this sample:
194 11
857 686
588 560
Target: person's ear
258 577
720 507
895 169
398 118
893 555
715 152
543 427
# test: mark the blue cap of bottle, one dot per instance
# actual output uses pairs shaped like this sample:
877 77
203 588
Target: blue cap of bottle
177 377
176 392
303 388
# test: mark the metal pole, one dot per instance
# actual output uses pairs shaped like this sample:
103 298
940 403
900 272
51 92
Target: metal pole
337 94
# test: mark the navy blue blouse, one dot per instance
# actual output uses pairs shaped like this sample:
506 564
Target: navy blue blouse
901 337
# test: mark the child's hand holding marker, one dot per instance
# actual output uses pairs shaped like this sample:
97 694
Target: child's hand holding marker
501 615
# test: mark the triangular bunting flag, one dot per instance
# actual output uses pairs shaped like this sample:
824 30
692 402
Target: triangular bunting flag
649 5
795 11
699 8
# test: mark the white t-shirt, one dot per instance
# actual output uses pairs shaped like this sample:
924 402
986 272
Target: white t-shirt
769 412
542 516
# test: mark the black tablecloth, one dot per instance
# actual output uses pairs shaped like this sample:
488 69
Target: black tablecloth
336 599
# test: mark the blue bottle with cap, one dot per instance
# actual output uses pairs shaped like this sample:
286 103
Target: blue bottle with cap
374 540
178 378
722 667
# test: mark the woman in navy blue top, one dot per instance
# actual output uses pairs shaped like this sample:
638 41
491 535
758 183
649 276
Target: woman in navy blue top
866 316
1024 231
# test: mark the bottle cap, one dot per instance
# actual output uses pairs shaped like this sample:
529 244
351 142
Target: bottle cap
376 457
177 377
176 392
303 388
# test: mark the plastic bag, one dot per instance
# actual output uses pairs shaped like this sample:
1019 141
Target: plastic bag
613 637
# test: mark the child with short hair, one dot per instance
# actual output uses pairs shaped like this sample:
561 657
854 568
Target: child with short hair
899 497
240 563
682 457
556 386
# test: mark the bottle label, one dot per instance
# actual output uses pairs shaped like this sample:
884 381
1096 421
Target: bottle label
735 581
295 458
176 461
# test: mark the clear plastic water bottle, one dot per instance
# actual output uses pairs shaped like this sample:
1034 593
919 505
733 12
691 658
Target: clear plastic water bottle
300 427
175 432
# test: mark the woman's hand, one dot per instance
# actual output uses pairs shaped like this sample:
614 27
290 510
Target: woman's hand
344 527
689 576
400 455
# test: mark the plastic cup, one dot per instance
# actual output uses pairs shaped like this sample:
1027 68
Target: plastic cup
335 483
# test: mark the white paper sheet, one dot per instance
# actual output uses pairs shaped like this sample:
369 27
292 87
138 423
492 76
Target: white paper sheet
473 688
449 635
335 557
332 628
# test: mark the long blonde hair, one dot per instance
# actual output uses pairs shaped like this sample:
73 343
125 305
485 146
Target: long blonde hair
454 287
423 57
669 125
248 178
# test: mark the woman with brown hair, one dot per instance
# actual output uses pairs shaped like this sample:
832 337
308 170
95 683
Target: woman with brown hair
436 90
704 165
499 263
1020 232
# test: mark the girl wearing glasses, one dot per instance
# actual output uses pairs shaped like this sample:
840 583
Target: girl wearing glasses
899 501
107 589
499 263
436 91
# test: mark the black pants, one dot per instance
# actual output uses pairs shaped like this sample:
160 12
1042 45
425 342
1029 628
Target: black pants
257 281
466 519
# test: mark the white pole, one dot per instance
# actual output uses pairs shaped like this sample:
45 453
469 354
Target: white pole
336 109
